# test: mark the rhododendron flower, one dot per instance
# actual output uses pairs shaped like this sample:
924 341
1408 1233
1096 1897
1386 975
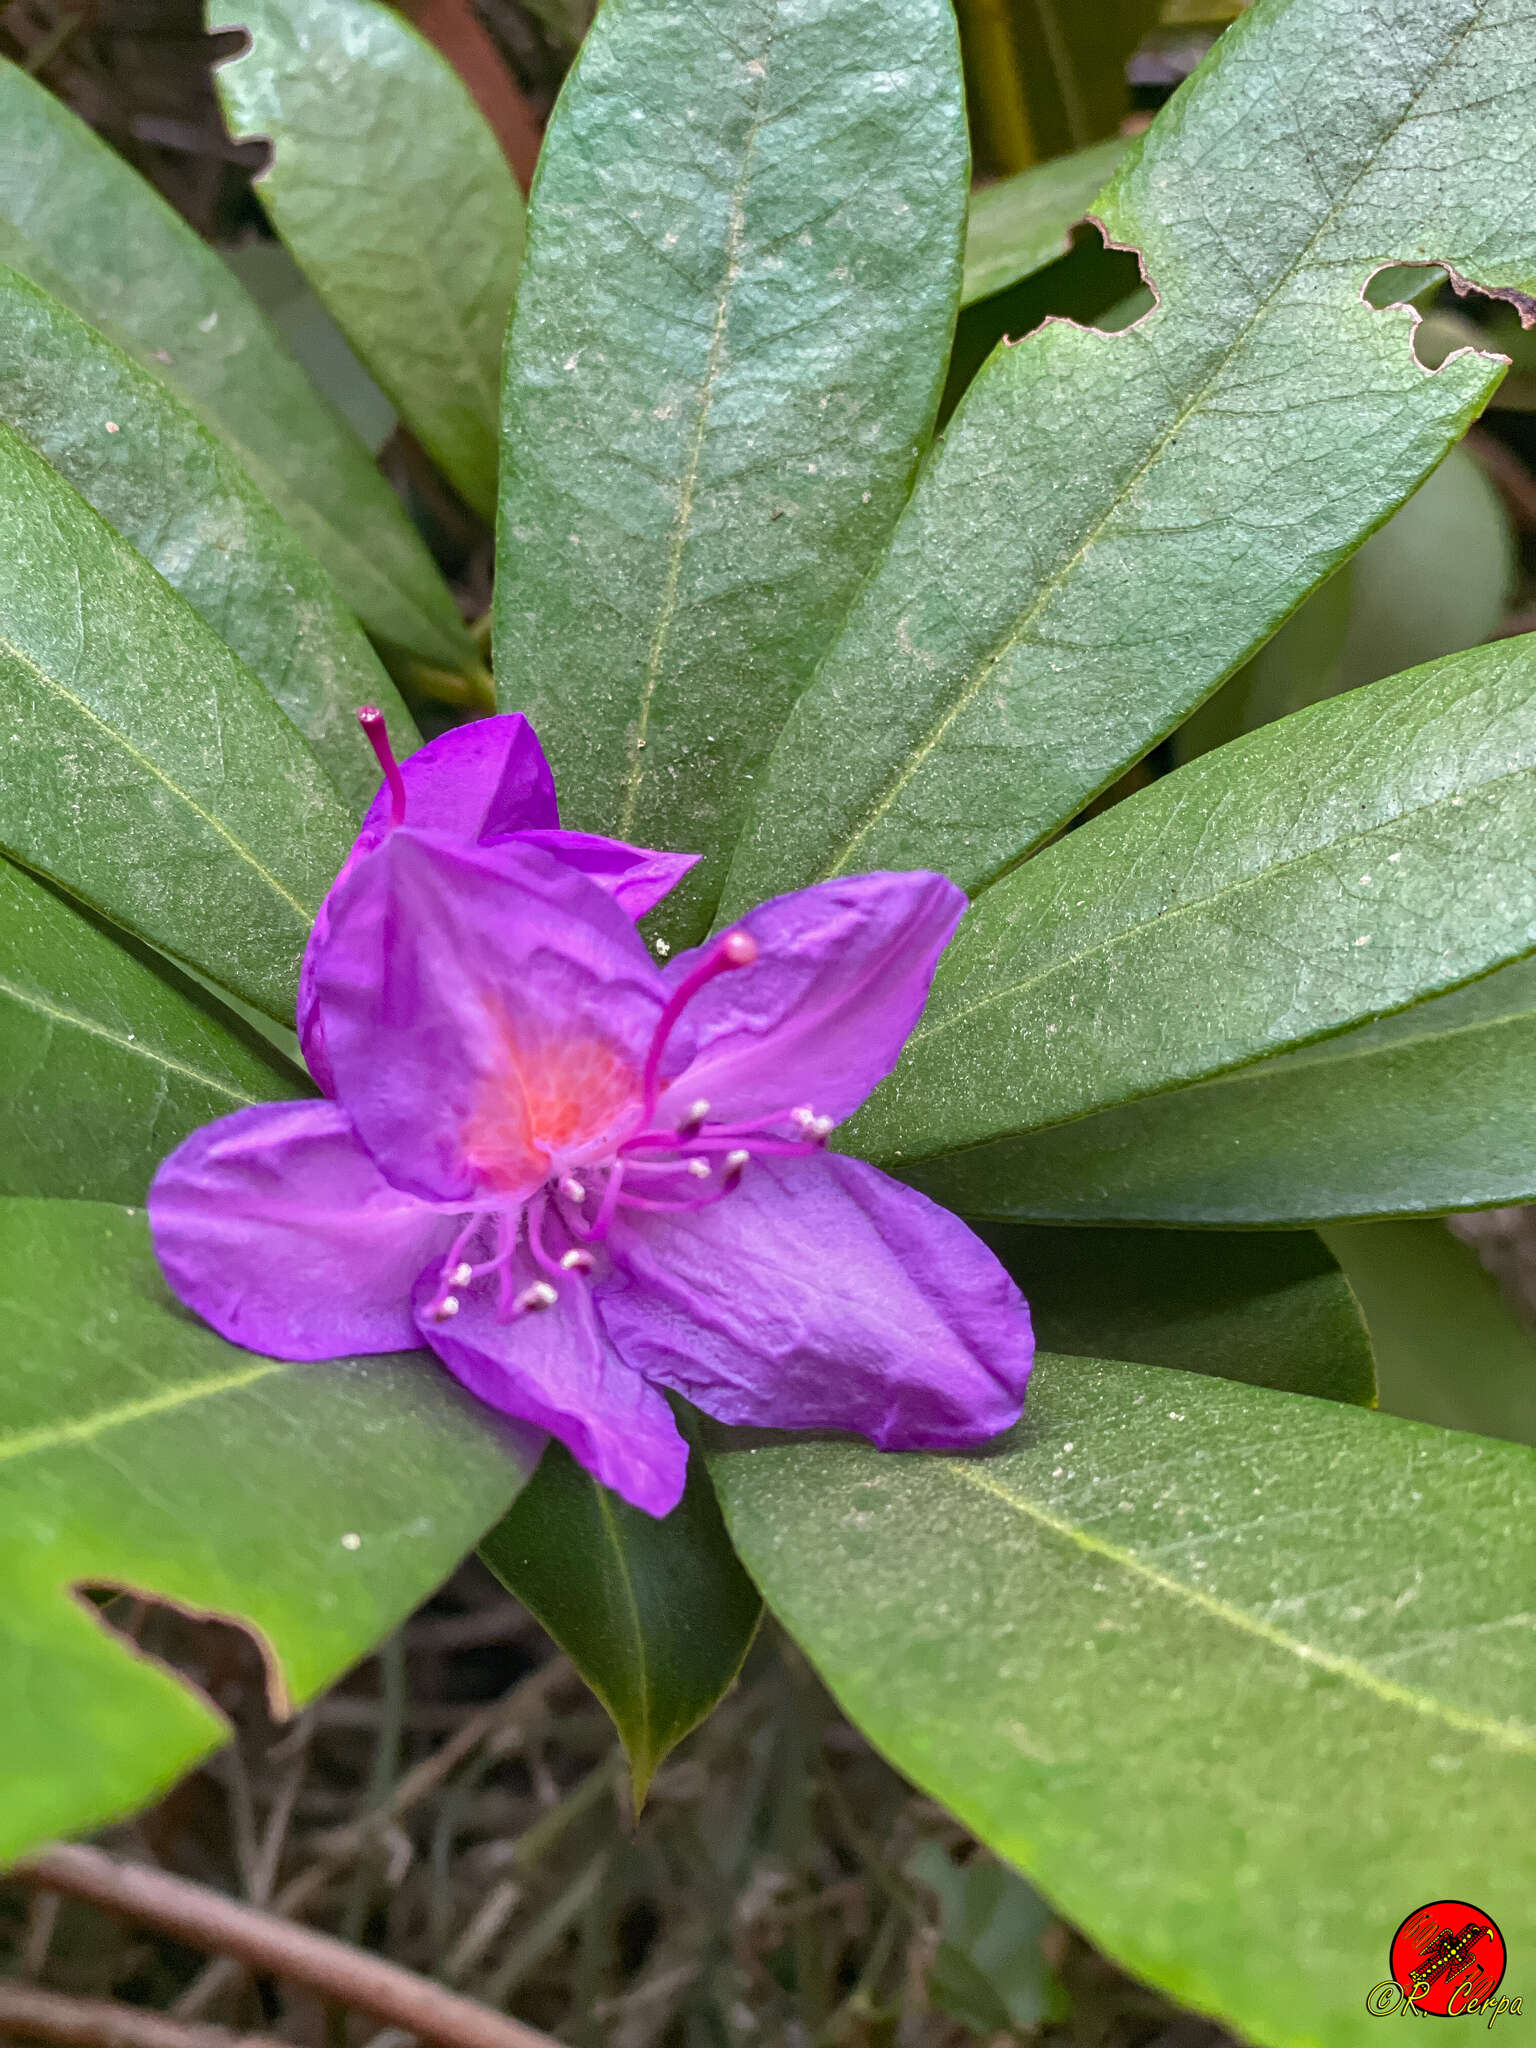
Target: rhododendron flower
580 1177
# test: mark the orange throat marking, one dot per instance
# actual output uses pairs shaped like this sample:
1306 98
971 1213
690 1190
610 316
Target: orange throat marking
548 1099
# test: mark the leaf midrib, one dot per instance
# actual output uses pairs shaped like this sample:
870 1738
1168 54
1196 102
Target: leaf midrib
979 675
242 852
82 1429
136 1046
1509 1735
637 1626
688 485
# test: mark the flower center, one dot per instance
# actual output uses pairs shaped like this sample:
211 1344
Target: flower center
554 1099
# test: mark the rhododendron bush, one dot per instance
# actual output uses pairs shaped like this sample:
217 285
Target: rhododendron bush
630 1089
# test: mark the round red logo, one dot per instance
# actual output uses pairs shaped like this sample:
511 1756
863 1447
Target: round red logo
1447 1957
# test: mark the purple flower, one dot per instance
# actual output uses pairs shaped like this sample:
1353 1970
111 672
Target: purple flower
581 1178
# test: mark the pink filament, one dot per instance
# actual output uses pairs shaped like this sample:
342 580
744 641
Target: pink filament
376 732
731 950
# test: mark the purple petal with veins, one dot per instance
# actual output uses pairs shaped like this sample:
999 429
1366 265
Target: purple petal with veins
487 783
822 1295
276 1226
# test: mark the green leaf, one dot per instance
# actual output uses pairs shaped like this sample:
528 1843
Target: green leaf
1214 1666
395 198
314 1505
148 773
722 368
1449 1349
177 495
1266 1307
655 1615
1022 223
1346 862
1058 596
107 1058
112 249
290 302
989 1970
1430 1110
1438 577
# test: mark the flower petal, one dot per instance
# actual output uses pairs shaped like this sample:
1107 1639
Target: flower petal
486 777
556 1369
821 1295
486 1014
277 1228
820 1017
635 877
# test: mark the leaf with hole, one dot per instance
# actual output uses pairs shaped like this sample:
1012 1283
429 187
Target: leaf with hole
108 1057
720 374
1224 1671
1267 1307
177 495
112 249
149 773
1114 522
655 1615
1349 861
1429 1110
394 196
312 1505
1020 224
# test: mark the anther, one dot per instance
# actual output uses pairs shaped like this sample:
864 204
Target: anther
462 1274
694 1121
572 1188
576 1260
539 1295
448 1306
699 1168
736 1164
809 1124
376 732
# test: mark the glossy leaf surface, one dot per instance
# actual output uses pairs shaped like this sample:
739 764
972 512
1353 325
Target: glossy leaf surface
1020 224
1344 863
107 1058
722 368
1190 1654
1429 1110
148 772
111 248
177 495
1439 576
315 1505
655 1615
1058 596
1267 1307
393 194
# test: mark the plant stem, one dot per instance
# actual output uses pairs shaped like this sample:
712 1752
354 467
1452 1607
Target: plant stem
208 1920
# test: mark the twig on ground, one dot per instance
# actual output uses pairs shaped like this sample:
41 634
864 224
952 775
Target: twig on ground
278 1948
501 1719
101 2023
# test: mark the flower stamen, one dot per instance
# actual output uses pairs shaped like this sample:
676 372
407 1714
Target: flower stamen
731 950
